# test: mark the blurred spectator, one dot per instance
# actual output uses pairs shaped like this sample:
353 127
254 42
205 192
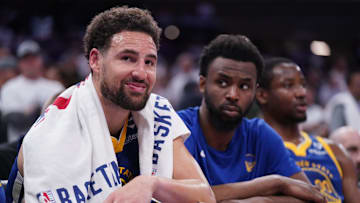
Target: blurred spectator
344 108
185 72
8 68
350 139
23 96
315 122
335 82
192 96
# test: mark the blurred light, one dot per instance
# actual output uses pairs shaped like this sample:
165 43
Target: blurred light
320 48
172 32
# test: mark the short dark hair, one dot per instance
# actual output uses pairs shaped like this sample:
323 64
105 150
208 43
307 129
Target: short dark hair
104 25
267 74
236 47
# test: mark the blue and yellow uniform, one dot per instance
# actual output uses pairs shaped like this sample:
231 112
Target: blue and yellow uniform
2 193
254 151
317 160
126 148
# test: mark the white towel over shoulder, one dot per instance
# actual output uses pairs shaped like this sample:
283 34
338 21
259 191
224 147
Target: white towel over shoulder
68 154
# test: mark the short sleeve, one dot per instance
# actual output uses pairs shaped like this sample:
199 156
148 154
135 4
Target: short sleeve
278 157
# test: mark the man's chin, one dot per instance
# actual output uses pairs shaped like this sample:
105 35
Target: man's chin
136 103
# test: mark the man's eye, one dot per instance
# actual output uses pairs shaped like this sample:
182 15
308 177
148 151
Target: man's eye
150 63
127 58
222 83
244 86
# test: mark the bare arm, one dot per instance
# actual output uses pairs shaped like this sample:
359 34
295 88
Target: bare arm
350 190
268 186
188 183
143 188
268 199
186 169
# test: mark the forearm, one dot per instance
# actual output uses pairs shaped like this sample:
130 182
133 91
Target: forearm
262 186
190 190
268 199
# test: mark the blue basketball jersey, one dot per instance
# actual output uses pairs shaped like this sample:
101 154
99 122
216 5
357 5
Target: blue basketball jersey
2 194
126 148
254 151
317 160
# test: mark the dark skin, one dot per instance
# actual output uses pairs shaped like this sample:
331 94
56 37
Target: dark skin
229 90
230 86
288 90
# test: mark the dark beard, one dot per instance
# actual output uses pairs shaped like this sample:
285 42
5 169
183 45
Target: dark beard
122 99
299 119
220 121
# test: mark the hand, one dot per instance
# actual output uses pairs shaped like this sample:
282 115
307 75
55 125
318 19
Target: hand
140 189
300 190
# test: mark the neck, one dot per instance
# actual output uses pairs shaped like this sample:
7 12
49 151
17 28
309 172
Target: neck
290 132
219 140
114 114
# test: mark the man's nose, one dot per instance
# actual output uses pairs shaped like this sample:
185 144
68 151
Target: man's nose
300 91
139 72
233 93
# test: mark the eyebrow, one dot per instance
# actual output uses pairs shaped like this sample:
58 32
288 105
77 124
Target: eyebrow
130 51
228 77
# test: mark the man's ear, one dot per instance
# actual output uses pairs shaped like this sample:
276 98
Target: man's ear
202 82
261 96
94 60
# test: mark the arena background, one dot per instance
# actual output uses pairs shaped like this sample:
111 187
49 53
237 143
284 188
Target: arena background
278 28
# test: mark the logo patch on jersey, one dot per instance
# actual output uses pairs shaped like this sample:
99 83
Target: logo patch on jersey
202 154
250 162
320 178
46 197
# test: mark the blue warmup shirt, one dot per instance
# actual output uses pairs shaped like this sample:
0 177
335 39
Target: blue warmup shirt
255 150
320 165
2 193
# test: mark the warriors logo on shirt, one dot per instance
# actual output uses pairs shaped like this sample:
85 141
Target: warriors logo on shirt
250 162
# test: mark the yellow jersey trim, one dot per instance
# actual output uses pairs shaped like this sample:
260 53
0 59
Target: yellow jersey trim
331 154
119 144
300 150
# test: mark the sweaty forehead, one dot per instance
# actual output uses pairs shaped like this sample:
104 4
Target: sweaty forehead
129 39
287 70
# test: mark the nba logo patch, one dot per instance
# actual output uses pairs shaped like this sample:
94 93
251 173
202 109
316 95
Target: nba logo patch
46 197
154 171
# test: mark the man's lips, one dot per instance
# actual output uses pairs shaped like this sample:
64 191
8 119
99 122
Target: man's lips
137 87
301 107
231 110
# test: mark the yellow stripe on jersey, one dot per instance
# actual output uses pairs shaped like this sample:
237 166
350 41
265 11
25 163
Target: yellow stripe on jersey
300 150
331 154
119 144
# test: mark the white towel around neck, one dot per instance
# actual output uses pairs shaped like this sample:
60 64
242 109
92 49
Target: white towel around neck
68 153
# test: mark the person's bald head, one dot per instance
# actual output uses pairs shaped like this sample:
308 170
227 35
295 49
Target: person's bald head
350 139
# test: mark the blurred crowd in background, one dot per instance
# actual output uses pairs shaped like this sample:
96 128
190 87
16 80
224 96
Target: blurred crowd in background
43 41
